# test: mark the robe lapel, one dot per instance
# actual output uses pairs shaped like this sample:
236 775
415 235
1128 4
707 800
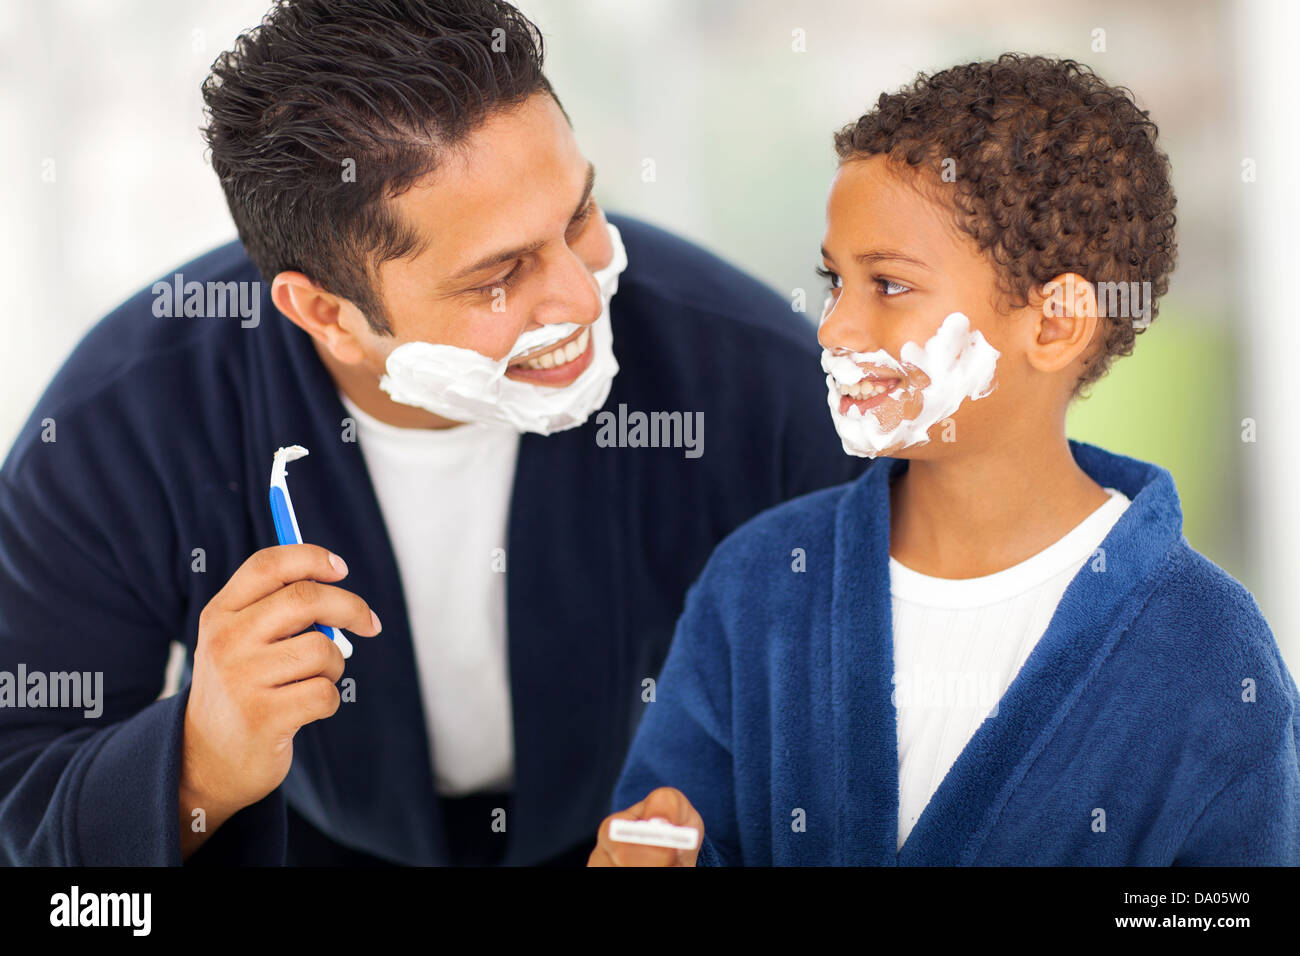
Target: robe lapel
367 769
864 723
1090 619
566 620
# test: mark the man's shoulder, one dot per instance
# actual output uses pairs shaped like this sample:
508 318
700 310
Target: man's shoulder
146 355
153 322
679 277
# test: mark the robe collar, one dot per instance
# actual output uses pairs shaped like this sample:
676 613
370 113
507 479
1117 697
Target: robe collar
1093 613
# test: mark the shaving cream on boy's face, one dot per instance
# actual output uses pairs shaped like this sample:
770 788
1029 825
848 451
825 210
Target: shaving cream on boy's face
881 405
467 386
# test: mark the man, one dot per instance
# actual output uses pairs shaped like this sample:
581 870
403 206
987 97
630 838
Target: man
508 475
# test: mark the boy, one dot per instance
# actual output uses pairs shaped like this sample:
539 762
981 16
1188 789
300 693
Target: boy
996 648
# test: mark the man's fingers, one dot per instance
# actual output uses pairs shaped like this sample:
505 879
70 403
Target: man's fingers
297 606
310 654
313 699
270 569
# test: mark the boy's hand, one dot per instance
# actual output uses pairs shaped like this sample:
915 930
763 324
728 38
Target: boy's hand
666 802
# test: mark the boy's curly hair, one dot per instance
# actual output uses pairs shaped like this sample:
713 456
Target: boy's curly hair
1055 172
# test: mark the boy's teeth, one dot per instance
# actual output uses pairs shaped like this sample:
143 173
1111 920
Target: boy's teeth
561 355
866 388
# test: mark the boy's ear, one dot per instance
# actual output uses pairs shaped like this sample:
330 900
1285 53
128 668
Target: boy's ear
1065 322
317 313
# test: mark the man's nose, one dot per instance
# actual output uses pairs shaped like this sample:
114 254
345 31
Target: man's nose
574 295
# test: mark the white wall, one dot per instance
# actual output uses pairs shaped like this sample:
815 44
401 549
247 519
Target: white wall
1270 386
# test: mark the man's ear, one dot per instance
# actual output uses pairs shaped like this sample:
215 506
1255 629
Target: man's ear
1065 323
320 314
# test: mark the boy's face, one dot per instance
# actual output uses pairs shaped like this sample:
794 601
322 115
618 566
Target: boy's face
899 267
513 236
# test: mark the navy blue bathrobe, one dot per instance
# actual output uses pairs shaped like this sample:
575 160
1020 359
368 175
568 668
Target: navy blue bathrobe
163 431
1154 723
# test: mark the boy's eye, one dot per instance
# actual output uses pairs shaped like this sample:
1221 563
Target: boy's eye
827 274
890 287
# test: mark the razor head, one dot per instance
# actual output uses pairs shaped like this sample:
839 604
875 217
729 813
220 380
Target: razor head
282 457
291 453
654 832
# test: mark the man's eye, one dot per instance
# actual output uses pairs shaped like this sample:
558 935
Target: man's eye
581 219
890 287
503 283
832 277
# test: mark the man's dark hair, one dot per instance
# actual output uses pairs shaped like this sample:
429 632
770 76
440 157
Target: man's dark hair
391 85
1055 172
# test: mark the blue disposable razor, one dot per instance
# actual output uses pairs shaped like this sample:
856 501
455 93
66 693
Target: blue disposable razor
286 525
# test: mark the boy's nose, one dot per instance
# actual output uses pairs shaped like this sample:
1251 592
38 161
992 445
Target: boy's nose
844 327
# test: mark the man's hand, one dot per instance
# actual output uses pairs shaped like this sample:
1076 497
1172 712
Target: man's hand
666 802
260 672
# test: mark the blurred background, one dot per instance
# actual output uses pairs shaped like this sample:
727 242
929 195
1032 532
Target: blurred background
105 187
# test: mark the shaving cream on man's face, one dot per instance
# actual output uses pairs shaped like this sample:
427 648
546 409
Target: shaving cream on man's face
881 405
467 386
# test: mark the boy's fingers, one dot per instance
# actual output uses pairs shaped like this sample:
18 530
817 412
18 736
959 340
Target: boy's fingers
666 803
610 852
669 803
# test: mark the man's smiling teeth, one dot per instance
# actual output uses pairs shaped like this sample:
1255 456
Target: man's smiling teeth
561 355
867 388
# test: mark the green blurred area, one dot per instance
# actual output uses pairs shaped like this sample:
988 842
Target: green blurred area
1167 404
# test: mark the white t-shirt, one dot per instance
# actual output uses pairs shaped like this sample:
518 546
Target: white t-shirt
959 643
445 497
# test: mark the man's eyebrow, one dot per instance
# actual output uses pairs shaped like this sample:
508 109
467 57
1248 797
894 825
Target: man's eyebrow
880 255
505 255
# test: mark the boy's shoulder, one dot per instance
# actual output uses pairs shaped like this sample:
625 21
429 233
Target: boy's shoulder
1202 629
1216 610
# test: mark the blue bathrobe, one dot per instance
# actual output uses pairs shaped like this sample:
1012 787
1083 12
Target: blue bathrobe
1154 723
139 485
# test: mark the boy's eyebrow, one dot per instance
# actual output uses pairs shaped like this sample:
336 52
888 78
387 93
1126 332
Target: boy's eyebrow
496 258
880 255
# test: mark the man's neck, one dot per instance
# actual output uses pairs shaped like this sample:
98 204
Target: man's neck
968 516
361 385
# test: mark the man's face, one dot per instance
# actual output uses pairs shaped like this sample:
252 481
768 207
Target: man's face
513 237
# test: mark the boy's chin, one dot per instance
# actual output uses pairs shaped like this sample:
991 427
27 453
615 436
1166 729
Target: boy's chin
930 450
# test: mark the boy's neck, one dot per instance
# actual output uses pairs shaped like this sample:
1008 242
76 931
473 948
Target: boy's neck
968 516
